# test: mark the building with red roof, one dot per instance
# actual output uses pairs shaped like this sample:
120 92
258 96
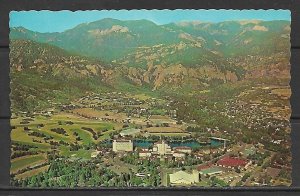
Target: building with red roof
231 162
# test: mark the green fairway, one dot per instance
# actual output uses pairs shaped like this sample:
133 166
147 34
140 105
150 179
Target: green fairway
85 154
26 161
40 146
84 135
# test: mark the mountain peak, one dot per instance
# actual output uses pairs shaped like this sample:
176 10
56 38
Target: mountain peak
245 22
190 23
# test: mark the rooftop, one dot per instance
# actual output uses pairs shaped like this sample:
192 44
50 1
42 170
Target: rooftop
232 162
202 167
182 176
211 170
122 141
182 147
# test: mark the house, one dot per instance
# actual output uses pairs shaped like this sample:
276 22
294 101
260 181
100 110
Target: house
182 177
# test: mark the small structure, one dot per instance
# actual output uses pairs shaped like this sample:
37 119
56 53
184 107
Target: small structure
182 177
184 149
211 171
144 153
95 154
205 151
142 174
179 155
122 146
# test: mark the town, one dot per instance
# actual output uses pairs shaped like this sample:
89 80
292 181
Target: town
143 140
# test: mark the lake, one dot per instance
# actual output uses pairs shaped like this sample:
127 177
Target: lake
189 143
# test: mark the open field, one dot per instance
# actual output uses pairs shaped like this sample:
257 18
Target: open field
81 153
39 146
92 113
32 172
164 130
26 161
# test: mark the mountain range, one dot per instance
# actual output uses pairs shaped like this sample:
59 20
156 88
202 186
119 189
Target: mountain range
139 54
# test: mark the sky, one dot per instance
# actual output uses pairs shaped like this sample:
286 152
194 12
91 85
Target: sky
59 21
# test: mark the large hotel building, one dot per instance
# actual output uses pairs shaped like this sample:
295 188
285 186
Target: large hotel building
122 146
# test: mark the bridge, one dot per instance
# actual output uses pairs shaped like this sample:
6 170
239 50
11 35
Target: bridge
220 139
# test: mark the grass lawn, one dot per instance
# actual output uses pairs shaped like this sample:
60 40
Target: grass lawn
40 146
56 136
19 134
25 161
202 183
81 153
86 137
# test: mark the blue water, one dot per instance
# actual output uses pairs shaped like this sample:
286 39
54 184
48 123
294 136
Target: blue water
142 144
190 143
216 143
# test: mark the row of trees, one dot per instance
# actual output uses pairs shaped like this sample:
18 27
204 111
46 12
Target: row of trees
22 153
59 131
